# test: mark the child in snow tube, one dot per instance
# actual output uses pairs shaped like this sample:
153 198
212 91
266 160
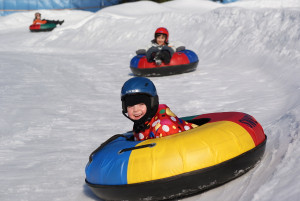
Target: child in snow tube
160 50
151 120
37 20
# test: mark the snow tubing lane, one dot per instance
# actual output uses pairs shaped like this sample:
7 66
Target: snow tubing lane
41 27
231 164
182 62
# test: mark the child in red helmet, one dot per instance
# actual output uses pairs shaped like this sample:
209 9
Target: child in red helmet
160 50
37 20
151 120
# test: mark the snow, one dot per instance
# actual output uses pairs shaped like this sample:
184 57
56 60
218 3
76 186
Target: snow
60 90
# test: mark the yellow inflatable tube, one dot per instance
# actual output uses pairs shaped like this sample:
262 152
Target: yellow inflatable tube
201 147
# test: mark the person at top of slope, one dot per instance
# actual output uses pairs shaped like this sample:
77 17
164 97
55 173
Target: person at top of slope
37 20
140 104
160 50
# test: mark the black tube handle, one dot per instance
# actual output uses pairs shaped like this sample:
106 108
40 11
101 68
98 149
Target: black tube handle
137 147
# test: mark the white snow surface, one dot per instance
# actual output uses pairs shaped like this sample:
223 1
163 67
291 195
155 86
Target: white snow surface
60 90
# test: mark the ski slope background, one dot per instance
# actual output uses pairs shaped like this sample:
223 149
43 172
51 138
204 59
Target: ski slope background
60 91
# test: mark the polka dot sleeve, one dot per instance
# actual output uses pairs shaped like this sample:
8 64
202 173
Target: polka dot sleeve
164 123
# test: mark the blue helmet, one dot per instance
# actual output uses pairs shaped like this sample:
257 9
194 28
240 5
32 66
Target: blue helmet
140 86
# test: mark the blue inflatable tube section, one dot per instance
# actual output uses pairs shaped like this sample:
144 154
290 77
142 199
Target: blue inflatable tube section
191 55
112 170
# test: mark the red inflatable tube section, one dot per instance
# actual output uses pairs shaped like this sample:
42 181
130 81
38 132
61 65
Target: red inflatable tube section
178 58
35 27
245 120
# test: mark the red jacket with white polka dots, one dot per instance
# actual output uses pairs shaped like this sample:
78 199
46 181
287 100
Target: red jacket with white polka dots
164 123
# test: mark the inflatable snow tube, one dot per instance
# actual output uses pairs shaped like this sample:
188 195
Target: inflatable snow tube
223 147
183 61
42 27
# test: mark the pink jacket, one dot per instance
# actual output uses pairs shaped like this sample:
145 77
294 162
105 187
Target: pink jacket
164 123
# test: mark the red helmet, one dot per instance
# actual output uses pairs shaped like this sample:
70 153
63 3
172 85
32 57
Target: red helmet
162 30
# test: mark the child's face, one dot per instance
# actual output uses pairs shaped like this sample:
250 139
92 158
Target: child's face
38 16
137 111
160 39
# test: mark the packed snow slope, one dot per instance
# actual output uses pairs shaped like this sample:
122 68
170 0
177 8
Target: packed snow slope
60 90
